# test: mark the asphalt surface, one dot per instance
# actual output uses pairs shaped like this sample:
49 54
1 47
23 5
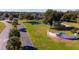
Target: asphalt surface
24 35
5 33
4 36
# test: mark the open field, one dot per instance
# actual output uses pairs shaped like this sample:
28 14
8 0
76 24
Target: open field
2 26
40 40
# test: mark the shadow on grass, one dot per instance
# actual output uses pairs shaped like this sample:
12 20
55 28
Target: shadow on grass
29 48
73 39
63 28
33 23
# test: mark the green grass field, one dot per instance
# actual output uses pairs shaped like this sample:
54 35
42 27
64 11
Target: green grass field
40 40
2 26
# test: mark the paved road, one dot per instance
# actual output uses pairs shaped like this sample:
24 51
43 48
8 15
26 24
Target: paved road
4 36
25 39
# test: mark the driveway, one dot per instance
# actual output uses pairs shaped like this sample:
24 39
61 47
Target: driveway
25 39
4 36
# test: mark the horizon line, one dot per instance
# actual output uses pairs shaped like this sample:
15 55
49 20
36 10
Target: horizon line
34 10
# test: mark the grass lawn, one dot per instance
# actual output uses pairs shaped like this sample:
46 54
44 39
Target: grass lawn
2 26
40 40
74 43
72 24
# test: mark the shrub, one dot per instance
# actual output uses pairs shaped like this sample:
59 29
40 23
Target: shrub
14 32
14 43
15 22
74 30
11 18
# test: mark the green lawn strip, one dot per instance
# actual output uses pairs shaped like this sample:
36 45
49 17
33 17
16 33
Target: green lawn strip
2 26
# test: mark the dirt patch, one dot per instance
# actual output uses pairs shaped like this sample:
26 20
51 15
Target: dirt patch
71 24
60 40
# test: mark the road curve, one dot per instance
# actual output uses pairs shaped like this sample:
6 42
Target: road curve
4 35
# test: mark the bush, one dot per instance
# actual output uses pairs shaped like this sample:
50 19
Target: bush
14 43
75 30
15 22
11 18
14 32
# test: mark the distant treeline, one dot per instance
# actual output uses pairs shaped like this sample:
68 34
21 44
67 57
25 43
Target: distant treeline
22 15
49 16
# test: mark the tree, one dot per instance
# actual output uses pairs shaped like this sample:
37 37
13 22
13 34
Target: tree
11 18
14 32
51 16
15 22
14 43
69 16
5 15
77 20
58 16
21 16
48 16
30 16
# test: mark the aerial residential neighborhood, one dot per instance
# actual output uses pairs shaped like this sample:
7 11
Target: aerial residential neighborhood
39 30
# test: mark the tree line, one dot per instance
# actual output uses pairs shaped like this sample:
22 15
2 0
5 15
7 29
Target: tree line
50 15
53 15
21 15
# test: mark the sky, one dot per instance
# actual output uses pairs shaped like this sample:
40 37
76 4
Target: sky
31 10
37 5
24 10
